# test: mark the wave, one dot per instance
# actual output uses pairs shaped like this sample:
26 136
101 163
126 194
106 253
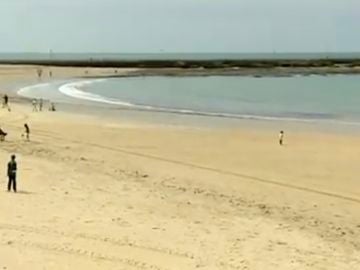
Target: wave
73 90
28 90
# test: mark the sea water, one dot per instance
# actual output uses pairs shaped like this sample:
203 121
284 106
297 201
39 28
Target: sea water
298 98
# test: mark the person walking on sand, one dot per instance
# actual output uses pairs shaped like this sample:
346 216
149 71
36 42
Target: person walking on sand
6 102
27 132
281 137
52 107
2 135
41 103
34 104
39 72
11 173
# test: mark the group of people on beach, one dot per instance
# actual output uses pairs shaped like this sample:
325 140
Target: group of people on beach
38 104
12 165
25 134
40 72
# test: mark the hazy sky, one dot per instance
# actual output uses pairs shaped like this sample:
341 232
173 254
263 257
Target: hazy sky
180 25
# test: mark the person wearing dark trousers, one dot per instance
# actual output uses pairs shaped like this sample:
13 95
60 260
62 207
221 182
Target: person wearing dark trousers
6 102
281 137
11 172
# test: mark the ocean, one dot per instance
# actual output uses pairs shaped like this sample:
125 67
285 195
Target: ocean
334 98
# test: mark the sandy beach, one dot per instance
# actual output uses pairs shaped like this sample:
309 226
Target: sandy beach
104 193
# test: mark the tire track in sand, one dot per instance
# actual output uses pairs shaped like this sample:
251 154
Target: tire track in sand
117 251
204 168
274 182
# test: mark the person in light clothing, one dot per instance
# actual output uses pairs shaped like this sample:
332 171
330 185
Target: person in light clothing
34 104
281 138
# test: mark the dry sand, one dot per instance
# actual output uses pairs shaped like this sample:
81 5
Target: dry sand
95 193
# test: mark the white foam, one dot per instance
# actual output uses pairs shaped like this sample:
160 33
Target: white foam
73 90
27 91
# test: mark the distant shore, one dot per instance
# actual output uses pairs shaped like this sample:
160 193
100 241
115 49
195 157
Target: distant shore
248 67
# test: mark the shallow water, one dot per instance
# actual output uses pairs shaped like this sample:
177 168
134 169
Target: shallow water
299 98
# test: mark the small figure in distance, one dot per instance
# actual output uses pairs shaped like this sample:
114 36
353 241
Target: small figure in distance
52 107
11 173
27 132
41 103
281 137
6 102
34 104
2 135
39 73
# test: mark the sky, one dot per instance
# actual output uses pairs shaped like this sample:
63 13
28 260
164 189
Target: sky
152 26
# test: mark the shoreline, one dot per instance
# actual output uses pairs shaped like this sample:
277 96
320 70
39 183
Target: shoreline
173 117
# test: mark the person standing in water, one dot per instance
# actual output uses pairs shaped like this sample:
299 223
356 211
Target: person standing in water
11 172
281 137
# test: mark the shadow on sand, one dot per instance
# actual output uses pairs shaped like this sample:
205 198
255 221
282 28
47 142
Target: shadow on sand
23 192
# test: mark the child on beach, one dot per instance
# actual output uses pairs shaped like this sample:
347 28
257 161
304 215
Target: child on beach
27 132
2 135
281 137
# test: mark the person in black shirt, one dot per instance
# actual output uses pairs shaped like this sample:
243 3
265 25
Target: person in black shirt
6 102
11 172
